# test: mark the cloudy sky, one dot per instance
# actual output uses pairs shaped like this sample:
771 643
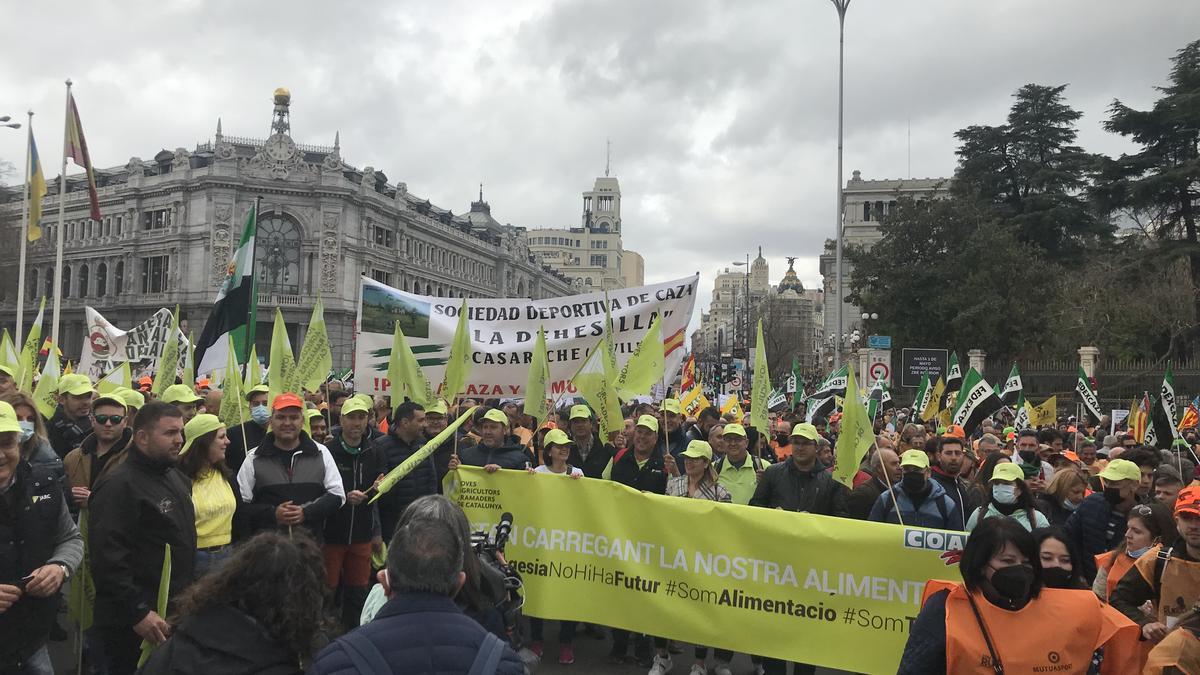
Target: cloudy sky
721 113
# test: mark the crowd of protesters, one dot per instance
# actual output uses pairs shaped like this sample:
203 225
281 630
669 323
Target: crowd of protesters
277 551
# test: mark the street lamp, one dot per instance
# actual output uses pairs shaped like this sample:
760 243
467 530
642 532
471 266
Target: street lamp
842 6
746 308
4 122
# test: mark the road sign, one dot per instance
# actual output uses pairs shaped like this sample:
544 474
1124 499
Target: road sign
879 367
917 362
879 341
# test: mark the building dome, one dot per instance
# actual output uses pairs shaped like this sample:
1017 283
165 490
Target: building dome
282 96
790 281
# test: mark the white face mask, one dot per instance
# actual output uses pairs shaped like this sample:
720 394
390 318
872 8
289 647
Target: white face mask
260 414
1004 494
26 430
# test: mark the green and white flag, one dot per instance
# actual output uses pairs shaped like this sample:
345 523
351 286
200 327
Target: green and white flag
1022 420
1091 405
834 385
1162 415
954 380
1012 387
235 311
921 400
976 401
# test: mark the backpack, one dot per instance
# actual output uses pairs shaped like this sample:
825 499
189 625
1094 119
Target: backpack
941 507
756 462
368 660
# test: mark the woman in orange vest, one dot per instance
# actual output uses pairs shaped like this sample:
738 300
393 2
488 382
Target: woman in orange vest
969 627
1144 527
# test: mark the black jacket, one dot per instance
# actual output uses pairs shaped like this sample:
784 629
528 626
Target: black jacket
651 477
133 512
510 455
35 529
242 439
814 491
860 500
598 457
1095 527
66 434
1053 509
221 640
958 490
422 481
306 476
354 524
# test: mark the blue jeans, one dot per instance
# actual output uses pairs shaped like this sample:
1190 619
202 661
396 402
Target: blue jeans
206 560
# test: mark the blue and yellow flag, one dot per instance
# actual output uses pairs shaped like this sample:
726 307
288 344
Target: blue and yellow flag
37 190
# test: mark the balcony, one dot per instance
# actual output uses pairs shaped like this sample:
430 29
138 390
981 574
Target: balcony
280 300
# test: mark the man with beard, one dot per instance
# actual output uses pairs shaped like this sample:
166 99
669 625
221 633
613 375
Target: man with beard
705 420
69 425
951 458
589 453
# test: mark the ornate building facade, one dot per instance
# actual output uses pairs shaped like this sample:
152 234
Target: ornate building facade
169 227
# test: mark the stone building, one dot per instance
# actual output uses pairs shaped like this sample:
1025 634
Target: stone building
170 224
592 253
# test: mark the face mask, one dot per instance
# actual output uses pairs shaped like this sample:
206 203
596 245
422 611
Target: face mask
1052 577
1013 582
912 482
1004 494
260 414
1028 456
1137 553
26 430
1112 495
1070 505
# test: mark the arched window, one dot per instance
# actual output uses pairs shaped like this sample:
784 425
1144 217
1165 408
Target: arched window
66 282
417 287
428 289
119 278
102 280
277 254
48 282
33 283
83 281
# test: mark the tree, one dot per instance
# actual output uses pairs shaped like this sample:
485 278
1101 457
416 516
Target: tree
949 273
1030 174
1161 182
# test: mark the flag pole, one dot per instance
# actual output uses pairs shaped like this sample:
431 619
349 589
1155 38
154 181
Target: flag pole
58 231
252 306
24 232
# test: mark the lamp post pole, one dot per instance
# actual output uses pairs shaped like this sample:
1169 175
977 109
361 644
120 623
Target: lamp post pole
842 6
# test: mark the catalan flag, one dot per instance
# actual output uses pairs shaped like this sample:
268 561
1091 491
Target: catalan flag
1191 415
76 150
1141 418
37 190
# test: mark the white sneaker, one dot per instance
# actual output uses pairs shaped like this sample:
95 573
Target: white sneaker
722 669
698 669
662 665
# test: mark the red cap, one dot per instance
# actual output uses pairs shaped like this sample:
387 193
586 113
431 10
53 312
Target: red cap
287 401
955 431
146 380
1188 501
1070 454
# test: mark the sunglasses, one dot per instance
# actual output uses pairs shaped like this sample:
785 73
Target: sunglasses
108 419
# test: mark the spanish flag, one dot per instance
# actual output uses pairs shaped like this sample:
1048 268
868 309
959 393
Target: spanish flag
76 150
674 341
37 190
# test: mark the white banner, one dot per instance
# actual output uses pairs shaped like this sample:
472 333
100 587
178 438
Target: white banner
106 345
503 332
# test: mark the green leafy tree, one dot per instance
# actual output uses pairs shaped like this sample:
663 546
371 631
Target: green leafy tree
1030 174
1160 184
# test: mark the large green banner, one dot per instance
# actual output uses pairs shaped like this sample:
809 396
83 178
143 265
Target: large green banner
813 589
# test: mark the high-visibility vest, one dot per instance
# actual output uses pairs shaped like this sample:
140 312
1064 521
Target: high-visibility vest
1179 650
1116 568
1057 633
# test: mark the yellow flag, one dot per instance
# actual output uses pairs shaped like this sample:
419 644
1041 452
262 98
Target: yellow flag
1046 413
168 358
856 435
458 366
253 370
45 396
694 401
116 378
315 358
733 406
189 364
279 369
539 376
596 383
29 351
935 399
760 388
8 354
404 373
645 367
231 413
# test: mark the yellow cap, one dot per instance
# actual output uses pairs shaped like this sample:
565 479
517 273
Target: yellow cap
197 427
916 458
7 370
111 398
354 404
310 413
805 430
438 407
134 400
75 384
257 389
648 421
1121 469
557 437
494 415
179 393
8 418
698 449
580 412
1009 471
671 405
735 429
